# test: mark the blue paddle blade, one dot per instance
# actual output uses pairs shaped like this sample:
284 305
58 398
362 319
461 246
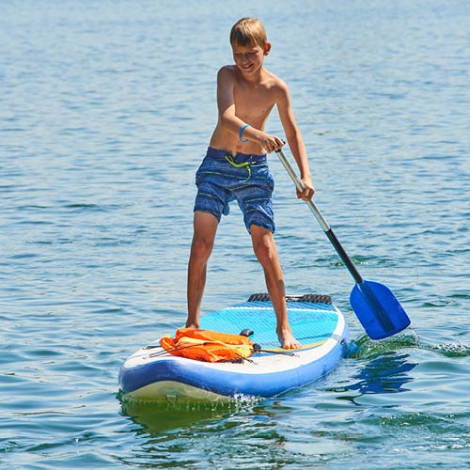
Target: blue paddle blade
378 310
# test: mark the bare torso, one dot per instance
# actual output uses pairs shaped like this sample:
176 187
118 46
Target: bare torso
253 103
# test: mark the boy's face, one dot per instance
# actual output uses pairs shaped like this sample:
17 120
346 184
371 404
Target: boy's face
249 59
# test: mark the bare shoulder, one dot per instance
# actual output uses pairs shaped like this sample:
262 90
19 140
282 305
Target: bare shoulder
275 79
227 71
277 85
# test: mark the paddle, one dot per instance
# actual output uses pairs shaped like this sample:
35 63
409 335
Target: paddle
375 306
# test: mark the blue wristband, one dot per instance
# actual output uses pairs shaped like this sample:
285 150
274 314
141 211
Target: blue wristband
241 132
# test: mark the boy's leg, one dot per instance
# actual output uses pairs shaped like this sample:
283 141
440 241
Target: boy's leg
266 252
205 228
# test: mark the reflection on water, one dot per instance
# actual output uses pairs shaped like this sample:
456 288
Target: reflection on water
155 419
159 417
382 367
385 374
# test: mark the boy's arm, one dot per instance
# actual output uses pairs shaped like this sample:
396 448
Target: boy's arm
295 140
229 119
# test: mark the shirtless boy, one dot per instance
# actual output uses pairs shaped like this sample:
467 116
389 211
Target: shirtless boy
235 168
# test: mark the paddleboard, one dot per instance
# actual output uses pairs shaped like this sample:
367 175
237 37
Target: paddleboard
152 374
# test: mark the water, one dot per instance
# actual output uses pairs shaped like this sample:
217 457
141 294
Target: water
105 113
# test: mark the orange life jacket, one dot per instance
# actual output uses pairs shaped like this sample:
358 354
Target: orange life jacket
207 345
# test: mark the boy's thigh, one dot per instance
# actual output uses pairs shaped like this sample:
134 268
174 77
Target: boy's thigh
205 225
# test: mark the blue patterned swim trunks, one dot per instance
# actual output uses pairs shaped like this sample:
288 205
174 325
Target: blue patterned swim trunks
223 178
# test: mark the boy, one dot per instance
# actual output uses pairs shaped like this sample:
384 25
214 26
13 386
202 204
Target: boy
235 168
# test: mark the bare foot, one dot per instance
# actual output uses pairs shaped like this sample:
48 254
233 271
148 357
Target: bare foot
288 341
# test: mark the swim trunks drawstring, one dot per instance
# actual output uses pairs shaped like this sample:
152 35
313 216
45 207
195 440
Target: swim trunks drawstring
246 165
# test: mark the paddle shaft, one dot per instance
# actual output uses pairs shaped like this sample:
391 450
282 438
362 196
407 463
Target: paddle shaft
326 228
375 306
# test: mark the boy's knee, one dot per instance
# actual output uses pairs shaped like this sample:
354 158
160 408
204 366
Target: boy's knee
263 246
201 247
263 253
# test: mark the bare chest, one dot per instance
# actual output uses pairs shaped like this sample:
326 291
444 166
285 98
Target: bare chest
253 103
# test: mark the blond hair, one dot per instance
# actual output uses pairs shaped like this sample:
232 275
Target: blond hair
248 31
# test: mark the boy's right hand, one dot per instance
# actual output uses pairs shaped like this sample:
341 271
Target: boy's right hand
309 190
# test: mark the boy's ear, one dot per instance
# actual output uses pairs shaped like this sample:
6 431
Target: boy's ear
267 48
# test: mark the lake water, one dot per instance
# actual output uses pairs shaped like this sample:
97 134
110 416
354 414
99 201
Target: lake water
106 109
